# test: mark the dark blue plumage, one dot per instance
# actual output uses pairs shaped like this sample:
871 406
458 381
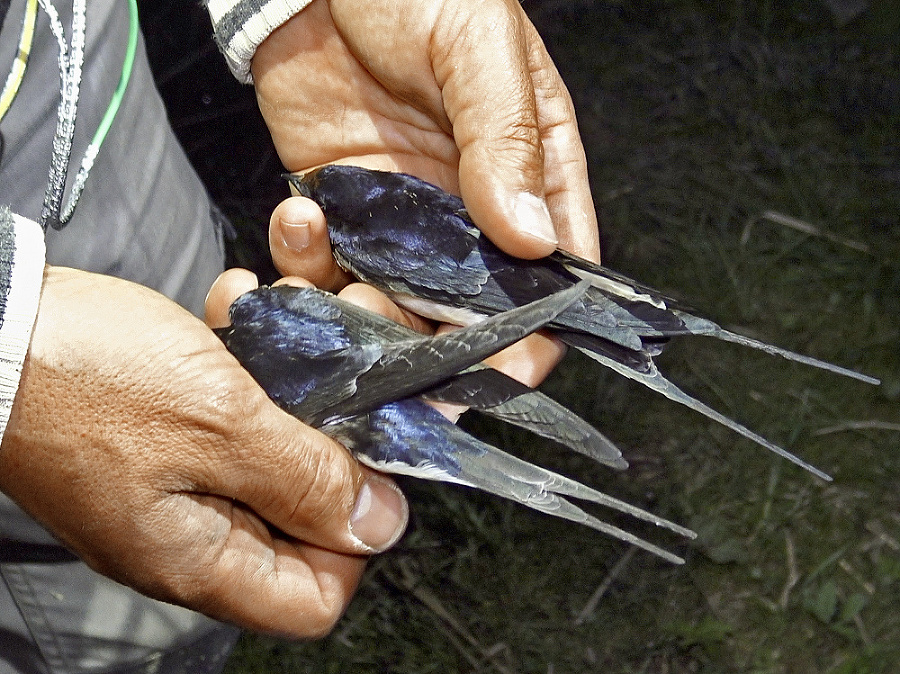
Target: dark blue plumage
412 238
417 243
345 370
294 340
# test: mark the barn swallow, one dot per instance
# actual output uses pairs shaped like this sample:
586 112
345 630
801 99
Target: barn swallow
351 373
417 243
493 393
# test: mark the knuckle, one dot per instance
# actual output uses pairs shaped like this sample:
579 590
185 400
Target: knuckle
323 622
324 493
523 131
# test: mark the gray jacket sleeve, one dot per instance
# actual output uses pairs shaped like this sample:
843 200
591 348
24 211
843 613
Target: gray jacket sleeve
21 275
240 26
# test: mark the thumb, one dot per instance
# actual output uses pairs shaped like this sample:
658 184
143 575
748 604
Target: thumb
309 487
275 542
300 246
491 102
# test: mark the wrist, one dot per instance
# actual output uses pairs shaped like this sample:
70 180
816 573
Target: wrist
22 256
241 26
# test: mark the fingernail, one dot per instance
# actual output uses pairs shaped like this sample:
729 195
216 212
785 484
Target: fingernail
295 234
533 217
380 515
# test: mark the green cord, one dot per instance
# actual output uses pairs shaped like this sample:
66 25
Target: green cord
90 154
127 65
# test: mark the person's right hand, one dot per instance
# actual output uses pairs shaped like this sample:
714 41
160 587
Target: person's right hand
461 93
141 443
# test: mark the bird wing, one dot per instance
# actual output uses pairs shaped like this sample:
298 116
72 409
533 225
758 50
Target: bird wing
298 340
620 323
410 438
639 296
652 378
412 239
493 393
413 365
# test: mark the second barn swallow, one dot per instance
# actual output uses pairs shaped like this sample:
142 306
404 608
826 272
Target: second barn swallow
417 243
350 373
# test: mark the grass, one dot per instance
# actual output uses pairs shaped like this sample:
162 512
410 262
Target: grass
705 124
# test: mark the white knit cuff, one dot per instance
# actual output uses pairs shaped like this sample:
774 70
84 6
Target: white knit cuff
22 256
240 26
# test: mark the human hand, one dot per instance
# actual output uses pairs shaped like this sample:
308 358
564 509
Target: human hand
460 93
141 443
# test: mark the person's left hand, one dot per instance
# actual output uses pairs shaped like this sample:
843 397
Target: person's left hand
140 442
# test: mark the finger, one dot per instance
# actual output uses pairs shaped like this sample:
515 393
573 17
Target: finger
299 243
374 300
303 594
230 284
489 97
531 359
294 282
250 575
307 485
566 183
